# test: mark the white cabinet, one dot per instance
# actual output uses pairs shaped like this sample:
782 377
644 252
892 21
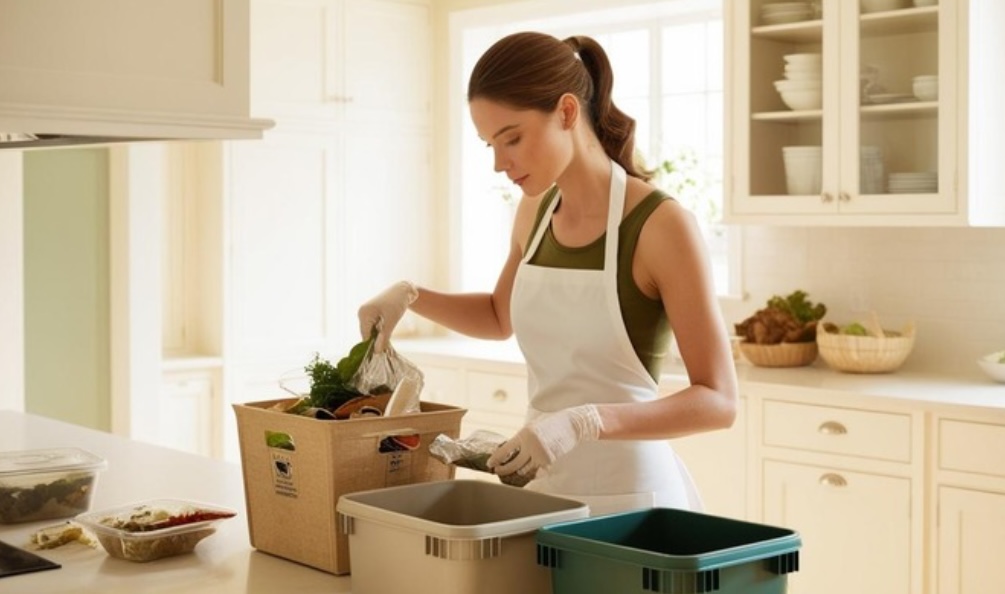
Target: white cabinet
347 167
970 505
843 477
267 251
152 69
867 139
493 392
855 527
717 461
188 411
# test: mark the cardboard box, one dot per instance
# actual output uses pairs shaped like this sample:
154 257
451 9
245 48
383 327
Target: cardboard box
296 468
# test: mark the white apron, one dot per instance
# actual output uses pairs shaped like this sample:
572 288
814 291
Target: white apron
568 324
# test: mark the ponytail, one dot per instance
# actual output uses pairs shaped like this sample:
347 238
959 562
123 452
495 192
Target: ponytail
613 127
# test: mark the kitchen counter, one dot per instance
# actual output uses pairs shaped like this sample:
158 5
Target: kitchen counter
970 389
222 563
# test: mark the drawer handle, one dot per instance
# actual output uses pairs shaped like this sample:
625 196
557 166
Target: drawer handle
833 480
832 428
500 395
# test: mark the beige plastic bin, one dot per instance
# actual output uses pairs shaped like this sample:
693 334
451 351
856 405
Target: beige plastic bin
450 536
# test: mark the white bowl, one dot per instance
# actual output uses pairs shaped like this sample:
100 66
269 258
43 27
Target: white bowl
881 5
798 85
804 59
992 365
807 75
803 99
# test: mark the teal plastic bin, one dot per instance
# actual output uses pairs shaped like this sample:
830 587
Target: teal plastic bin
669 551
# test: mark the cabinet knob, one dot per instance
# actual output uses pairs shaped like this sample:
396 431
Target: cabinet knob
832 428
499 395
826 197
831 479
845 197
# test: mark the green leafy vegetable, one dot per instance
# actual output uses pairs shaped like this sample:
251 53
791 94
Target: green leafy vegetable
801 308
331 385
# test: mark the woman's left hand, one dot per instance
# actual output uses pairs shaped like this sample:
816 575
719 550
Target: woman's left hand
545 439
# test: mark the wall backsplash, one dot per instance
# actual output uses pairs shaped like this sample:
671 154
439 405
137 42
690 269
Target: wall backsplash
950 282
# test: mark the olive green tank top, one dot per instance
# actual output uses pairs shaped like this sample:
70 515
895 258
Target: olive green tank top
645 319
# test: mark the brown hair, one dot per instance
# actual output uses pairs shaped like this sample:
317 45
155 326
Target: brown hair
531 70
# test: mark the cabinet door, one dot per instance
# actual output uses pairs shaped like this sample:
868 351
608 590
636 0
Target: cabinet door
799 164
379 33
970 540
296 58
855 528
282 276
187 412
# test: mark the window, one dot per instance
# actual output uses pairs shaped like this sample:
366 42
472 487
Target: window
668 64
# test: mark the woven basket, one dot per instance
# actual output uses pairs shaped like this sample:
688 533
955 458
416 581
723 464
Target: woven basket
866 354
786 354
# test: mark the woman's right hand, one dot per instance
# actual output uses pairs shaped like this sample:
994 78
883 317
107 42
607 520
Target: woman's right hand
385 311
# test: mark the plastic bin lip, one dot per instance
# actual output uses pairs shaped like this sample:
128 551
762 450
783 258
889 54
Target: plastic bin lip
555 535
561 510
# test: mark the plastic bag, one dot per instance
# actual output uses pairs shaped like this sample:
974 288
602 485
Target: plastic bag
473 452
385 372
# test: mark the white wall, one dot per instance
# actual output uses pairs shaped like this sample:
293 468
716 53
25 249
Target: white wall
950 282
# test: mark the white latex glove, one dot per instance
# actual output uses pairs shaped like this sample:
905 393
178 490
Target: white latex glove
385 311
546 439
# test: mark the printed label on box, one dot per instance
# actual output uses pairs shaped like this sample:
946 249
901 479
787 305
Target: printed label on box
398 470
283 479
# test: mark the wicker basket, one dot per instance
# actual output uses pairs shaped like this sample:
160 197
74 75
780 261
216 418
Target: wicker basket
866 354
786 354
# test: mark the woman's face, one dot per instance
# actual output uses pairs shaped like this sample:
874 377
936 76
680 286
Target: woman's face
531 147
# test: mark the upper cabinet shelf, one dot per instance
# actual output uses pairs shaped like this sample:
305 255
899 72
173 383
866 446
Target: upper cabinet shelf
866 118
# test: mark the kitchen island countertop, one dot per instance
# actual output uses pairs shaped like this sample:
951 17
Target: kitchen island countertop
223 563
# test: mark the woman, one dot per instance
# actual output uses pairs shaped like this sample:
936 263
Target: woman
601 266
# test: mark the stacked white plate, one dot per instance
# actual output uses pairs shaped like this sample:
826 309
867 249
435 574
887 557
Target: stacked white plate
871 170
924 182
777 13
803 169
801 88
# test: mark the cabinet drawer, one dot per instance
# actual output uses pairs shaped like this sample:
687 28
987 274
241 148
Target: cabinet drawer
443 384
867 434
497 393
972 447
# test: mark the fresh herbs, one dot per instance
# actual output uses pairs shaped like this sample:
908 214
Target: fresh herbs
331 385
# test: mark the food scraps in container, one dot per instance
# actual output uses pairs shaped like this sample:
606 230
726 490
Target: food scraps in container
155 529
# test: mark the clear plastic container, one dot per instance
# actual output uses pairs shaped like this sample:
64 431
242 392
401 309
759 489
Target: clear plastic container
154 529
47 484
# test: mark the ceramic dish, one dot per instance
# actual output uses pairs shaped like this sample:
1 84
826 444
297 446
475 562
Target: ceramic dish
993 364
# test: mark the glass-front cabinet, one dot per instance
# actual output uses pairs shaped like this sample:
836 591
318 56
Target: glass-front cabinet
850 112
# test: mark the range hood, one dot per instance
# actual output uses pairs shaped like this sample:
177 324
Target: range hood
102 71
